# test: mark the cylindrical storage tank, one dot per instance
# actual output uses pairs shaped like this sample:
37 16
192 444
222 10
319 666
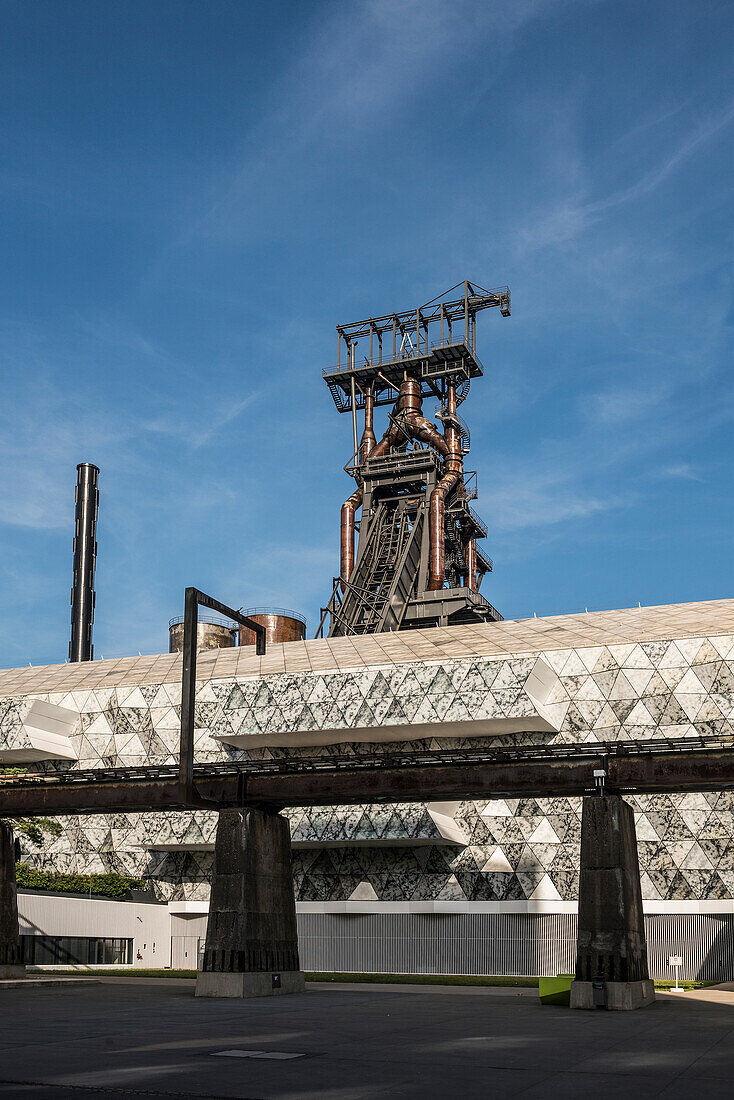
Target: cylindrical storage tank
280 625
211 633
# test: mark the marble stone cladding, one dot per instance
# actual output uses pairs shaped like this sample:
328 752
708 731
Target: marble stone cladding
514 848
13 735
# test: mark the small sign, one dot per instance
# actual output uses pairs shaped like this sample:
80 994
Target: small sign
276 981
676 961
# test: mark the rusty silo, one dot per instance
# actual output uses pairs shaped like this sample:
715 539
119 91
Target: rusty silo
212 633
280 625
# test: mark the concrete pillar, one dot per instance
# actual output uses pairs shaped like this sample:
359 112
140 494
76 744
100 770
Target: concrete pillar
611 961
10 964
251 937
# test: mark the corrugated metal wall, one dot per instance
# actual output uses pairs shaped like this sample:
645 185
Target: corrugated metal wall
705 942
461 943
498 943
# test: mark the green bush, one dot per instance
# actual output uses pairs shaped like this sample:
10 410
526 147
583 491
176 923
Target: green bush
110 885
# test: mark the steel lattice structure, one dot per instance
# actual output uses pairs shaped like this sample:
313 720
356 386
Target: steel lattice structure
417 561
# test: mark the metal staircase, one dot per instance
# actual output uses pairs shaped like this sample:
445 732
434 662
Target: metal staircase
385 573
464 436
461 427
463 391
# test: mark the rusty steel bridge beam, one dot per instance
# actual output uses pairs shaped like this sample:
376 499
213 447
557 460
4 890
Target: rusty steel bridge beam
664 772
698 770
131 796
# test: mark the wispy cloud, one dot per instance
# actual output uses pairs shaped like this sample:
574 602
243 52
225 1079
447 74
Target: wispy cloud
616 406
698 136
205 427
530 499
47 425
295 575
567 219
359 71
43 434
681 470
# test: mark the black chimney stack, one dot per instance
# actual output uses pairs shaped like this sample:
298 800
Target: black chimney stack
85 556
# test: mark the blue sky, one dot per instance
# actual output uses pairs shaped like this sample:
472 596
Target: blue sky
194 194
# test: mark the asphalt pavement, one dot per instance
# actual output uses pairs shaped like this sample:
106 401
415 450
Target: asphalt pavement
131 1037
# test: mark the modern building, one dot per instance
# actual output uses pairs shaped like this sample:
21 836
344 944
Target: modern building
416 660
465 887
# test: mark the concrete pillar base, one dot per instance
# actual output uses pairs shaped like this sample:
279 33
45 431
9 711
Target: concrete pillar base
611 958
10 964
618 996
251 936
216 983
12 972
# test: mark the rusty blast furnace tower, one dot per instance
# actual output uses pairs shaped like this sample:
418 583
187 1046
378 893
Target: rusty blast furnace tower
417 562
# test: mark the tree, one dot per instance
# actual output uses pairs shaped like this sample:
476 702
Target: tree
34 828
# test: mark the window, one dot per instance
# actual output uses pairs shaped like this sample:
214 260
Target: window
75 951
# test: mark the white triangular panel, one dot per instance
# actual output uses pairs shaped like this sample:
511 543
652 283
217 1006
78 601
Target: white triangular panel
545 834
498 861
545 891
497 808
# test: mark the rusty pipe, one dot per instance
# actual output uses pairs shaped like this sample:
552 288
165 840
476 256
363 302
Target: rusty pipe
412 424
415 426
451 430
369 441
457 434
388 441
437 565
352 503
409 395
471 565
406 421
451 399
454 439
349 507
453 475
409 421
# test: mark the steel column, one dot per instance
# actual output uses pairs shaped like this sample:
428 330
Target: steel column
192 601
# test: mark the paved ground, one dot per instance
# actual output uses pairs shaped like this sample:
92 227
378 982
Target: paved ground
149 1037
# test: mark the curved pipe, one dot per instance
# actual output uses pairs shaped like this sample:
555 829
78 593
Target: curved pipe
471 565
408 422
352 503
453 474
417 427
349 507
368 442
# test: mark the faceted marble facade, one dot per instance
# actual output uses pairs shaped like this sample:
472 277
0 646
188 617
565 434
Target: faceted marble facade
34 730
636 689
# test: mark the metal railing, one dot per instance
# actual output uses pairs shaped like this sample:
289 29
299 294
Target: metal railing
274 611
211 620
477 519
410 354
692 746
